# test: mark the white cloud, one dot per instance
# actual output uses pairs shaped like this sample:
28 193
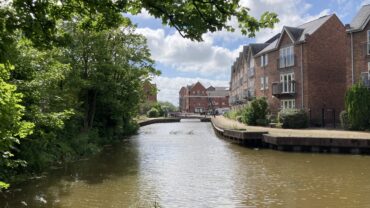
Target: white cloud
290 13
181 54
169 87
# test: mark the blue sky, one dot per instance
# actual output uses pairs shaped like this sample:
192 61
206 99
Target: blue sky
182 61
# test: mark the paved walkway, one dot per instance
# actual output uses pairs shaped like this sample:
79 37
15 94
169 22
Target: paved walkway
226 123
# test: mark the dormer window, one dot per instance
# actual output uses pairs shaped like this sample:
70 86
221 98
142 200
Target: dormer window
264 60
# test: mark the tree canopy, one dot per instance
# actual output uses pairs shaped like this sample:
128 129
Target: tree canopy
72 71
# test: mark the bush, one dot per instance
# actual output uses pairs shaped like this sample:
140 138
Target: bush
239 118
233 114
344 120
262 122
293 118
358 107
255 111
153 113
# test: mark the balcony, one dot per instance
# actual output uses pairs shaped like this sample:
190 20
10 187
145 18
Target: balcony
251 72
248 94
280 89
287 61
365 79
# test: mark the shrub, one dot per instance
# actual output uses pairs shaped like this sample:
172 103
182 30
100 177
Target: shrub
153 113
233 114
344 120
257 109
239 118
293 118
262 122
358 107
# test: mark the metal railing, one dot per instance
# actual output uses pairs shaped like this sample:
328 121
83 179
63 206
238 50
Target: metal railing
281 88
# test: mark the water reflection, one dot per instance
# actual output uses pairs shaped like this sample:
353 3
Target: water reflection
186 165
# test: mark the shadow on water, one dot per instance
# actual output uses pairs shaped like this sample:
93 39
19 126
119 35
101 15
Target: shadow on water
119 160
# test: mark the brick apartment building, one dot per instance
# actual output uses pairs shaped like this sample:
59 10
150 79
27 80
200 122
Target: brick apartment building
358 48
196 98
302 67
150 92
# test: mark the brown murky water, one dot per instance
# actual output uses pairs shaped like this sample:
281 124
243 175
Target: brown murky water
186 165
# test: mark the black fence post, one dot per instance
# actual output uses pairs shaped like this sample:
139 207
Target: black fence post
334 118
323 117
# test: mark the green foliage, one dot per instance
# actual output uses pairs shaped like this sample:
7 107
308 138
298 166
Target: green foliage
293 118
256 110
79 69
153 113
357 102
39 19
344 120
168 107
233 114
12 127
262 122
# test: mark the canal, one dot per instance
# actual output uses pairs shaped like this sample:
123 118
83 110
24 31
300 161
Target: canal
186 165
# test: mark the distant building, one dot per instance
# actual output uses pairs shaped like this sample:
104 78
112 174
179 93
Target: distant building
150 91
196 98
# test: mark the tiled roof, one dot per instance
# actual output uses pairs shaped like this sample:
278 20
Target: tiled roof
297 33
361 18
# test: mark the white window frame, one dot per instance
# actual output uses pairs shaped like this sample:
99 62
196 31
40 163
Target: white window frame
264 83
264 60
287 104
287 82
368 42
286 54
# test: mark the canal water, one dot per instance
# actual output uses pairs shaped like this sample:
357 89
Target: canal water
186 165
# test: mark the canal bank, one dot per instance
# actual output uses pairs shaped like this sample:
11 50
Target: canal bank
302 140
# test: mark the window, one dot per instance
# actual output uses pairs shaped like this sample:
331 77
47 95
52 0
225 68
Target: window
251 62
286 57
287 81
264 83
288 104
368 42
264 60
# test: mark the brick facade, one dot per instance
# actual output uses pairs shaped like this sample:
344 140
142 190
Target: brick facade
150 91
197 99
315 80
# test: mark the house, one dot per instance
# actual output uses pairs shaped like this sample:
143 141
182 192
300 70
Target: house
302 67
358 50
150 92
196 98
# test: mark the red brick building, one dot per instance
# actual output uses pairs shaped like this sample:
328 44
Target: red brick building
302 67
196 98
358 48
150 92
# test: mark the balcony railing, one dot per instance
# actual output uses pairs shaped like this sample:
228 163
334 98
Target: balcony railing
251 72
365 79
287 61
283 88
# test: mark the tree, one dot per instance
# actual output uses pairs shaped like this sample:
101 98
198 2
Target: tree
357 102
192 18
12 128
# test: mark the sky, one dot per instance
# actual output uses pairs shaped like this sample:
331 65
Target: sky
183 62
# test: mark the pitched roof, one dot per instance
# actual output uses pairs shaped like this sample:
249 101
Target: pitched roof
257 47
361 19
297 34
